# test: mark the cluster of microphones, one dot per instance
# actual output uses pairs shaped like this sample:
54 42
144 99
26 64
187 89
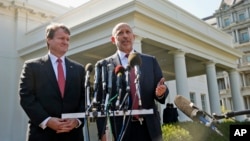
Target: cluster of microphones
103 77
104 73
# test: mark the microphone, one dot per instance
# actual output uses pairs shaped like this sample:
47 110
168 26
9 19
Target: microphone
96 82
104 84
88 69
134 61
104 74
110 68
119 71
193 112
127 73
110 76
127 80
231 114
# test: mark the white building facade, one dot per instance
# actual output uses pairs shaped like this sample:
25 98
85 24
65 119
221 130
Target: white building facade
185 47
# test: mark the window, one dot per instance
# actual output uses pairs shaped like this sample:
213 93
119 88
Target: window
226 22
244 37
192 97
221 84
247 80
241 17
248 59
203 102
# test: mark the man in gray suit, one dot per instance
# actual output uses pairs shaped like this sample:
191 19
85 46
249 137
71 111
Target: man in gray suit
152 88
44 99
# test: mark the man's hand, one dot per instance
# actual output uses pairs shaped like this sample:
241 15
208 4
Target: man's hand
161 88
62 125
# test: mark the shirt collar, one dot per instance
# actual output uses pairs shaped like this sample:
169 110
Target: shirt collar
123 54
53 58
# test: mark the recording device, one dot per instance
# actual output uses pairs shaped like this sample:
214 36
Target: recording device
88 69
104 83
96 81
134 61
110 76
193 112
125 100
231 114
119 71
127 78
110 68
95 103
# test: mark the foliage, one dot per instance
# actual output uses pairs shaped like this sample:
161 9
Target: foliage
187 131
175 133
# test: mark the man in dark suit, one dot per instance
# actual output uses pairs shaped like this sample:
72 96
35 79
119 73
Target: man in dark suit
152 88
44 99
170 114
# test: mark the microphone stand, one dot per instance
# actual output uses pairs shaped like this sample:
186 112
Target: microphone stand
202 118
126 98
87 105
231 114
137 88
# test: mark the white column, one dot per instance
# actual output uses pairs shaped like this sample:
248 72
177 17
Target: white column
181 78
238 103
247 102
237 36
213 91
137 44
243 79
232 17
247 13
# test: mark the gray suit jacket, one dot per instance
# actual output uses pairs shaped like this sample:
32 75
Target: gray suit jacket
150 76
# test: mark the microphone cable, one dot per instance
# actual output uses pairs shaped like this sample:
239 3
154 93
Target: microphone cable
108 115
129 118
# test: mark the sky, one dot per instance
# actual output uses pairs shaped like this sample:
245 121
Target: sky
198 8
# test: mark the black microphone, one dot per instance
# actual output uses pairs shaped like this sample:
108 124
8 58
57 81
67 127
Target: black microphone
134 61
96 81
127 80
231 114
119 71
104 74
193 112
110 68
110 76
104 82
88 69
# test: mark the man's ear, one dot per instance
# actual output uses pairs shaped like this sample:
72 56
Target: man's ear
113 39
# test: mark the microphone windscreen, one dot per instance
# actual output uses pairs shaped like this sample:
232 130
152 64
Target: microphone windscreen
104 62
119 69
134 59
185 106
89 67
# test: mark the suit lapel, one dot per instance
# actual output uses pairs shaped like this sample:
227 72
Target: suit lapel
69 72
114 59
48 69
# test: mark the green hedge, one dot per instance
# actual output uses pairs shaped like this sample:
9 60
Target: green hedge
194 131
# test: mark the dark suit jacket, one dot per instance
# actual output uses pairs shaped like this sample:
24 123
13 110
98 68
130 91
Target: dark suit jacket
40 97
150 76
170 115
